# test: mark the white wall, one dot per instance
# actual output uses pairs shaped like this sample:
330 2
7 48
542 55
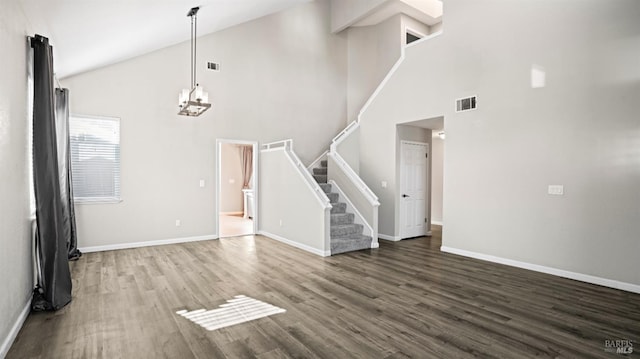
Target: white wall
288 208
349 150
372 52
231 197
16 274
581 131
346 12
437 161
431 7
283 76
412 24
435 28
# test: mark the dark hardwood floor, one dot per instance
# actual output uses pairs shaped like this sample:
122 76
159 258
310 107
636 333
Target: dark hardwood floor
406 299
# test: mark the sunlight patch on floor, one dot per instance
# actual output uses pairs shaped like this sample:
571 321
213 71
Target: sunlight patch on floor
240 309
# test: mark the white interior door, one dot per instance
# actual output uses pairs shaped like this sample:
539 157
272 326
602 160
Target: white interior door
413 189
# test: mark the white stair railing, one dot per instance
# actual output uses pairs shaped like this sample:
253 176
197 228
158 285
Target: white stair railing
343 174
349 173
343 134
355 179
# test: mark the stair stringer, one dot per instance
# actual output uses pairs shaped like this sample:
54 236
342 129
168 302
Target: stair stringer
355 192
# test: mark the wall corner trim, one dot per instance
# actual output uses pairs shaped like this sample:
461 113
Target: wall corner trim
160 242
629 287
304 247
15 329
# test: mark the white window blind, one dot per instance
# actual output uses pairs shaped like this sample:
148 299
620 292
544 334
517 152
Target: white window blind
95 158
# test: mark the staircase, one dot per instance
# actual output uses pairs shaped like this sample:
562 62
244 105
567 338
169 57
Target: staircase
346 236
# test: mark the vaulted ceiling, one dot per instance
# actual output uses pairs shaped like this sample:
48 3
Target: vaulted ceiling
87 34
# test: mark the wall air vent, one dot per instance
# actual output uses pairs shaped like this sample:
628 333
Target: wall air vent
466 104
213 66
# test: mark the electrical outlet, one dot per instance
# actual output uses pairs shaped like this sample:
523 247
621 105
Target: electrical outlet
178 223
384 184
201 183
280 223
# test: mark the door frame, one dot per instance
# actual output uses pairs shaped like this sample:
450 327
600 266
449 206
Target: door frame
218 170
427 229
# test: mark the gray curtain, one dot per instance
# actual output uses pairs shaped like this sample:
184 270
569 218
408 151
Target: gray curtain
64 172
246 156
54 288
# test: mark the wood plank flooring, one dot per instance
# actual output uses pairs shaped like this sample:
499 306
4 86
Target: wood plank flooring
406 299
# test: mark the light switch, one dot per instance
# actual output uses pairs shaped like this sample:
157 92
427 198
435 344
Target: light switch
556 189
202 183
232 181
384 184
538 76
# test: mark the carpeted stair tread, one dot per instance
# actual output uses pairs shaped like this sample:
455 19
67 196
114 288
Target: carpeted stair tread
345 230
320 178
320 171
346 236
342 218
350 243
339 207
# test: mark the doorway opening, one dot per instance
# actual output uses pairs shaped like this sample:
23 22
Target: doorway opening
419 168
236 190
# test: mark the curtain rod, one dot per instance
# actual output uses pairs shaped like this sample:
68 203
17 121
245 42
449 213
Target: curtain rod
38 38
41 39
55 77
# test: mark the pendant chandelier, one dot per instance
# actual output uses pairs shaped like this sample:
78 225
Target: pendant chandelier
193 101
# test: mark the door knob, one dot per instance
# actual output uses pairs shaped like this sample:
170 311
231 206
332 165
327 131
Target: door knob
405 195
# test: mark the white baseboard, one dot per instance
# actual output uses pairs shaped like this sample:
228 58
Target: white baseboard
232 213
160 242
629 287
398 238
304 247
389 238
439 223
15 329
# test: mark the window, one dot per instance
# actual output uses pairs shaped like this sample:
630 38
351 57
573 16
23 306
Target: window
411 38
95 158
412 35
